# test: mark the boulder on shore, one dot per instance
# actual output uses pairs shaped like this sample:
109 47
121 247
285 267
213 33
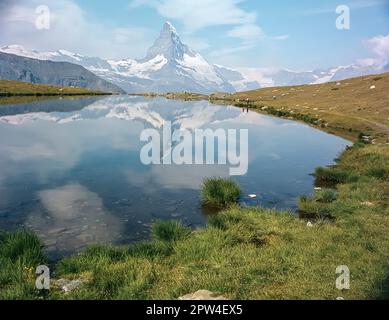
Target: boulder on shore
202 295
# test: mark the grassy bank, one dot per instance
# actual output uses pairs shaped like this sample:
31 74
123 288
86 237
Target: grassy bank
346 108
9 88
250 253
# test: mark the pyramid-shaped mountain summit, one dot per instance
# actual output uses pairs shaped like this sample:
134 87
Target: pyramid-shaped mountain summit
173 66
169 45
169 66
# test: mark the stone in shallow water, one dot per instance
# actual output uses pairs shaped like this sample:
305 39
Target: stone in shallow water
56 230
171 208
50 242
202 295
85 237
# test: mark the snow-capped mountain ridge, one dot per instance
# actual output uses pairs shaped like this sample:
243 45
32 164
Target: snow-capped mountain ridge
170 65
284 77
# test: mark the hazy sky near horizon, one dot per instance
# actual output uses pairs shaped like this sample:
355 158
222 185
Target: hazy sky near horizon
298 35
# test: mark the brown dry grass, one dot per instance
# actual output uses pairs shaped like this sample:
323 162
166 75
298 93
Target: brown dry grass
347 107
15 88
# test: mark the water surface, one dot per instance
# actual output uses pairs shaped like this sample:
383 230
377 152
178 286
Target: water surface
71 170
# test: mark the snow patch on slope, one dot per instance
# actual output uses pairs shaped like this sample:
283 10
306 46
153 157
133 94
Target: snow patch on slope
133 68
199 68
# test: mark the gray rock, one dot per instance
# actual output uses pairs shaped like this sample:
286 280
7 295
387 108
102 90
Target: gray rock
202 295
68 285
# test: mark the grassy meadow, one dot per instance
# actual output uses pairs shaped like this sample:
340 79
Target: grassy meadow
345 108
10 88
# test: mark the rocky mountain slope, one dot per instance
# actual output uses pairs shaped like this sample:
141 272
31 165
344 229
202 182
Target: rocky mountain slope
13 67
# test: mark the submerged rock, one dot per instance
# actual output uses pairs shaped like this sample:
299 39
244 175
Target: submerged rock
56 230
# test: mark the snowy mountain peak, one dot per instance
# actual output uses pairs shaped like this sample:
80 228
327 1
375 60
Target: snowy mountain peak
23 52
169 45
70 54
168 27
14 49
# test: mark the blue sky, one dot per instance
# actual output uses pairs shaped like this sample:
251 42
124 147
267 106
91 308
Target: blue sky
298 35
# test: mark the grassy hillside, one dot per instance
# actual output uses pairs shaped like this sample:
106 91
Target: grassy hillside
17 88
346 107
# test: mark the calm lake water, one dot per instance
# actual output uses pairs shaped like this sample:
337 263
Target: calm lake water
70 169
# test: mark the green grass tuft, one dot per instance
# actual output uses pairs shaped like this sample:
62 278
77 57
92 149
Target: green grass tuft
20 254
326 195
169 231
23 246
220 193
333 176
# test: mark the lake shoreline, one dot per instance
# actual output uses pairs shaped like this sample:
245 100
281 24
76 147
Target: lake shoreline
316 105
11 88
268 111
254 236
253 253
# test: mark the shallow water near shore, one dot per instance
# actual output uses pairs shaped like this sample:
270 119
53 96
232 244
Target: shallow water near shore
71 169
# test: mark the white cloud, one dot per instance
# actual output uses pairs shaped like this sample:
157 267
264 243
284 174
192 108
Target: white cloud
196 15
367 62
378 45
354 5
229 51
70 28
196 43
18 13
262 75
248 32
281 37
200 14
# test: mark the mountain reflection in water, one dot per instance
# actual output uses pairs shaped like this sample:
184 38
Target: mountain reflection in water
71 169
